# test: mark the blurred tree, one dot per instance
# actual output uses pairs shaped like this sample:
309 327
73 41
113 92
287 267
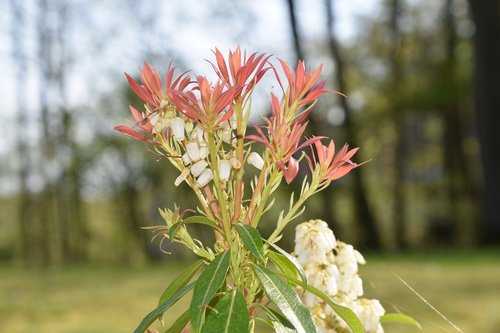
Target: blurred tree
460 186
25 216
315 126
369 234
396 80
486 16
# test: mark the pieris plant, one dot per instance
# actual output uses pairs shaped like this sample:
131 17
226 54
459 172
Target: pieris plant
200 127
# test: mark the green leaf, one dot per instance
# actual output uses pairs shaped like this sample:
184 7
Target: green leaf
199 219
206 287
343 312
180 323
153 315
229 315
286 299
283 264
252 239
292 260
280 323
181 280
399 318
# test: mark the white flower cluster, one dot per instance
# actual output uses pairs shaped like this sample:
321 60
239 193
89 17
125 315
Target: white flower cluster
193 142
332 266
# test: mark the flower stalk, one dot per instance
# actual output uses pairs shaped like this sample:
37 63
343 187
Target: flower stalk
200 127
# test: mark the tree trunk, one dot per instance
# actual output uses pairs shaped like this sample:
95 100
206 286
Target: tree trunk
369 235
25 240
315 127
486 16
399 156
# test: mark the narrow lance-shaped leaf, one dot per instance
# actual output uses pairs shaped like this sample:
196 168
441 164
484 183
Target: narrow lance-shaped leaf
280 323
286 299
192 220
292 260
399 318
153 315
283 264
229 315
343 312
180 323
181 280
207 285
252 239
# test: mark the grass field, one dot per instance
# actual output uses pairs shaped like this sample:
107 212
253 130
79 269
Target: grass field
464 287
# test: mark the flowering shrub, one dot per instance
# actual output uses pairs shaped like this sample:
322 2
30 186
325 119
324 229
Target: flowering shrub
201 129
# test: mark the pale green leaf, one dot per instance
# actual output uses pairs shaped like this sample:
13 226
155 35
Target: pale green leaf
181 280
199 219
399 318
180 323
229 315
153 315
343 312
280 323
286 299
252 239
283 264
207 285
292 260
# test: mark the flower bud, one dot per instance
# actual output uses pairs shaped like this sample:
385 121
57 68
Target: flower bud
177 126
181 177
224 170
255 160
206 176
186 159
235 163
198 167
193 151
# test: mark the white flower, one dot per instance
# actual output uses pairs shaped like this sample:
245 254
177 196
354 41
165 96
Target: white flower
159 123
186 159
323 277
255 160
224 170
199 134
313 241
369 312
235 163
198 168
205 177
177 126
181 177
225 133
203 152
193 151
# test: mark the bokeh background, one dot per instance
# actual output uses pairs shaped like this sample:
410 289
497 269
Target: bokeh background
423 86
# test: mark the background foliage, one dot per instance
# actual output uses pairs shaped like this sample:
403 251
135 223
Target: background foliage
422 80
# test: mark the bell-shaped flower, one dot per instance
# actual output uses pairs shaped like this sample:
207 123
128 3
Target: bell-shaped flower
255 160
224 170
206 176
198 168
193 151
177 125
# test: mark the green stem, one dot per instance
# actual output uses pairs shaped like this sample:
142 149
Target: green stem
282 223
226 221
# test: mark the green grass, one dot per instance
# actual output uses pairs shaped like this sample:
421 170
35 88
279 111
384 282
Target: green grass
464 287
